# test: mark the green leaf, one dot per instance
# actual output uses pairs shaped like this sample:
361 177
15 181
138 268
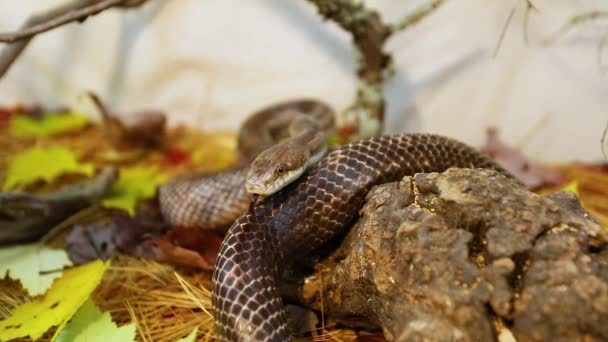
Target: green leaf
89 324
133 184
54 123
57 306
334 140
26 263
191 337
46 164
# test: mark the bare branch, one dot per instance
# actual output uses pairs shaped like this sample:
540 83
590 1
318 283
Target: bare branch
503 32
418 15
74 15
575 21
77 10
600 51
369 33
604 141
529 8
579 20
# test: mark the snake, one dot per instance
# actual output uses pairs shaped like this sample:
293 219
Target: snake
275 144
298 219
302 199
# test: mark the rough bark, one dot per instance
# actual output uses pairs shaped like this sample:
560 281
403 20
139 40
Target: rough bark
467 255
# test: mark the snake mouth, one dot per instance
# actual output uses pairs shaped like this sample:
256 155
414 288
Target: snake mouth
266 185
266 188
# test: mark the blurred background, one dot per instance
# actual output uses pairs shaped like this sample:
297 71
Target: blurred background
209 64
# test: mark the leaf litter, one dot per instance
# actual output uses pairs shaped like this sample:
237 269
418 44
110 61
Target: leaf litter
57 306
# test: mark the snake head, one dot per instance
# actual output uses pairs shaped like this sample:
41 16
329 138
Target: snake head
274 168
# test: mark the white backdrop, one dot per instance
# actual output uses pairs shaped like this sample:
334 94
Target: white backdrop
209 63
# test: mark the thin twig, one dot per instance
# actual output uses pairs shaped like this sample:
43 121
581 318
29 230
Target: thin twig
77 10
603 141
578 20
68 17
503 32
600 50
419 14
575 21
110 122
529 8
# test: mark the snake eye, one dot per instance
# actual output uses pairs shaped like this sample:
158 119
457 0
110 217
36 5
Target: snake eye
280 169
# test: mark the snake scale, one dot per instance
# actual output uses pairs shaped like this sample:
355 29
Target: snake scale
305 215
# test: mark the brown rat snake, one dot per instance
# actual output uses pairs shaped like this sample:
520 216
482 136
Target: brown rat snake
304 215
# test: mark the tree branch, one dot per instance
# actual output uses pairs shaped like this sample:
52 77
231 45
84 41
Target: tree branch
418 15
369 33
77 10
54 22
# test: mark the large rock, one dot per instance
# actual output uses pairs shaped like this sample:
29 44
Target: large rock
467 255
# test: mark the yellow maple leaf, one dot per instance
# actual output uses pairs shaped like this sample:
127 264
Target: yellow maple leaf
133 184
54 123
45 164
57 306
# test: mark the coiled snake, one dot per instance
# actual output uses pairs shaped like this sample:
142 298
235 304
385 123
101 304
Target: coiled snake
215 201
304 215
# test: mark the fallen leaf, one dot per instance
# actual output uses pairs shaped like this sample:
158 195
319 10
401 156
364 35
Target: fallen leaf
89 324
530 173
191 337
205 242
218 153
43 164
57 306
54 123
176 255
88 242
133 184
344 133
5 116
334 140
32 265
115 231
176 155
572 186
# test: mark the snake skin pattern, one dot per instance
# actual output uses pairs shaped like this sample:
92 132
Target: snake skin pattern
304 216
207 201
215 201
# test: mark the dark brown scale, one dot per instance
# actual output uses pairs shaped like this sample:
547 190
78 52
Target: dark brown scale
305 215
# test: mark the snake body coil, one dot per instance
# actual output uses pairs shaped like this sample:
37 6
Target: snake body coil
214 201
305 215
